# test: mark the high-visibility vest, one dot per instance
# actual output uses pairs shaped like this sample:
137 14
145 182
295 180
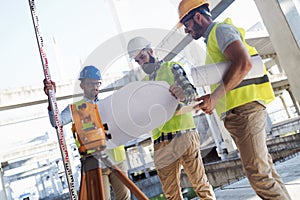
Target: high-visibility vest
256 89
117 153
177 122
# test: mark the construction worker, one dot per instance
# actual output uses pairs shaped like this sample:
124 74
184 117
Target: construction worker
240 103
177 142
90 81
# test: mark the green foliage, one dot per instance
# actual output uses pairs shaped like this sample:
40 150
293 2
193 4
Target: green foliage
159 197
189 194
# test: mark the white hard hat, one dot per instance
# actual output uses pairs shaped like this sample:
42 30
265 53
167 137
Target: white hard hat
136 45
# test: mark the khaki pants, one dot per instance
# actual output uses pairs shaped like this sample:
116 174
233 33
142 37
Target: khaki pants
246 125
121 192
184 151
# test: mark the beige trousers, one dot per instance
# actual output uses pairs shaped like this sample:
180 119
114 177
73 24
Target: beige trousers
181 151
246 125
121 192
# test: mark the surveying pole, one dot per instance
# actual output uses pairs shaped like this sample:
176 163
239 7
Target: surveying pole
53 104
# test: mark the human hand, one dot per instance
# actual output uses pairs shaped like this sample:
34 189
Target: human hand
177 92
49 85
206 104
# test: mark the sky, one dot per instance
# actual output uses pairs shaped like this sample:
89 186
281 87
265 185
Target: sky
78 27
75 25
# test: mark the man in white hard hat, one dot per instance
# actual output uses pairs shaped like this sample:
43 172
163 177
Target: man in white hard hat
240 103
90 81
177 142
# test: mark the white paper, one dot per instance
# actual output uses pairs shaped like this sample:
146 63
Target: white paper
213 73
136 109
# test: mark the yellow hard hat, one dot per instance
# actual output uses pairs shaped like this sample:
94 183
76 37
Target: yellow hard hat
185 6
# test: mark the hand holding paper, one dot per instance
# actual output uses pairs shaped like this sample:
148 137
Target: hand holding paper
213 73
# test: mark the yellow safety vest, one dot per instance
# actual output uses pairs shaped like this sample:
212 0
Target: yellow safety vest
117 153
177 122
256 89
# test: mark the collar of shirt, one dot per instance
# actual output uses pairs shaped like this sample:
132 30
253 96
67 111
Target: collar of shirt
153 75
208 30
91 101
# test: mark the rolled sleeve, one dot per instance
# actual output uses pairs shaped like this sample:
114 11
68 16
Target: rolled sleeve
226 34
182 81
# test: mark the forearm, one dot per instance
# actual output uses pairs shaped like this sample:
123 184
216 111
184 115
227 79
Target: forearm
65 116
236 74
230 81
241 64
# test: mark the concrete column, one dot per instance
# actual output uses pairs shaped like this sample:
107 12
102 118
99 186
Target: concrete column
141 155
216 133
282 20
296 104
2 186
285 106
278 64
227 139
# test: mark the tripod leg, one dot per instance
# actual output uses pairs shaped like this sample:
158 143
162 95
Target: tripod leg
91 184
95 189
132 187
82 190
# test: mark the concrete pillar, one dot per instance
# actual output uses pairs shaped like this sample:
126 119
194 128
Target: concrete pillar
216 133
296 104
282 20
37 185
227 139
285 106
278 64
142 157
2 186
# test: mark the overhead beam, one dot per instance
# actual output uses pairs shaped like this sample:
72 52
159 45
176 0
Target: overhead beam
215 11
31 103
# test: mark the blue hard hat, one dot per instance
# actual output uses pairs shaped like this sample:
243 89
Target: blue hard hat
90 72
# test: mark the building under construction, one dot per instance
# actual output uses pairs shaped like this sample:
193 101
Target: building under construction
32 165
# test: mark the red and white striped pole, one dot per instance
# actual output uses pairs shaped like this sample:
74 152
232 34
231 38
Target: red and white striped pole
53 104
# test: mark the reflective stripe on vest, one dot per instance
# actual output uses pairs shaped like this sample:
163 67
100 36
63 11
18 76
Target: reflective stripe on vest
256 81
176 123
257 89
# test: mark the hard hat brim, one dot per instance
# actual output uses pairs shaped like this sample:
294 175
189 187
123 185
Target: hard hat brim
179 24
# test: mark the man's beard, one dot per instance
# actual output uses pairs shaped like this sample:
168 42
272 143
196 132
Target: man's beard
149 67
197 30
93 94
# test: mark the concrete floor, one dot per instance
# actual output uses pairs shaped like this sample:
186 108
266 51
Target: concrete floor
289 170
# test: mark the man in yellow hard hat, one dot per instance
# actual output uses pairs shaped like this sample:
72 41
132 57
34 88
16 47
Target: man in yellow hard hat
177 142
240 103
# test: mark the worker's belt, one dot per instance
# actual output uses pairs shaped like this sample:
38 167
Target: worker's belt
169 136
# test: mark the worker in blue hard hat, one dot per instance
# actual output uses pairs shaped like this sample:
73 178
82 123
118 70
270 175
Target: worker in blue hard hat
90 81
